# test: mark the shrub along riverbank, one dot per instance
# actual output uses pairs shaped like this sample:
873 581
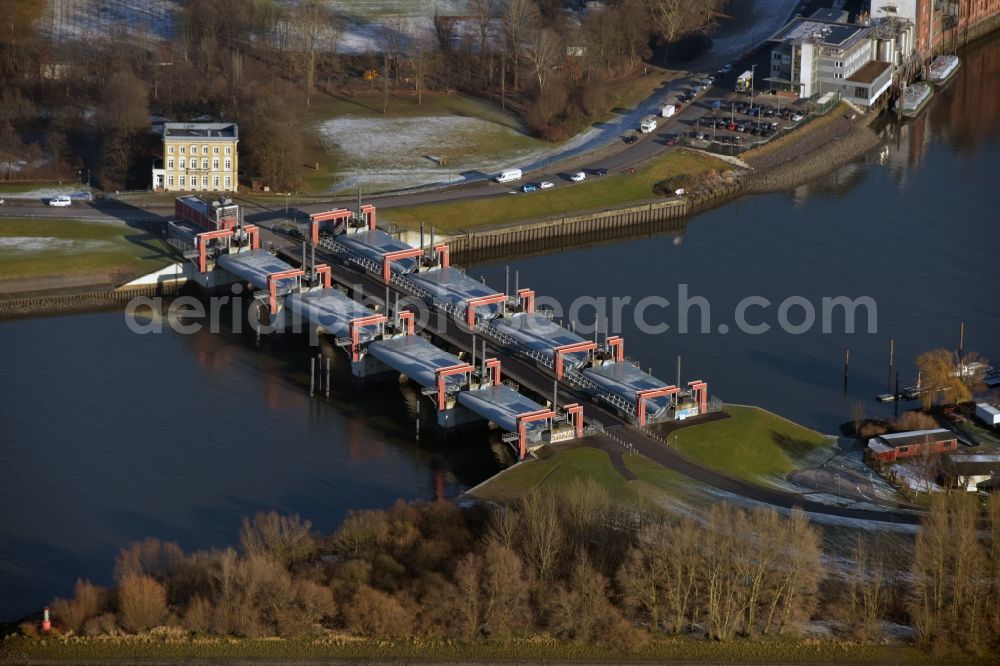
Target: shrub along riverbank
569 573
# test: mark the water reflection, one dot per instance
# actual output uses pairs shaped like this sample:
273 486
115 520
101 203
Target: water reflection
110 437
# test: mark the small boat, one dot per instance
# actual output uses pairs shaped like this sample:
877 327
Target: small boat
914 98
942 69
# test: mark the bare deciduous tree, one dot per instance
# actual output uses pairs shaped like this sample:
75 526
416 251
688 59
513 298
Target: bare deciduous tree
544 52
316 28
286 539
86 603
672 19
519 19
377 614
485 12
142 603
543 540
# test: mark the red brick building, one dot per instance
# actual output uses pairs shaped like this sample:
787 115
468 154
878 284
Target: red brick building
886 449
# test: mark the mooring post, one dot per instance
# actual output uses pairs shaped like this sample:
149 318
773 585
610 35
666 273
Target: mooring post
328 361
896 401
847 362
961 341
312 375
888 378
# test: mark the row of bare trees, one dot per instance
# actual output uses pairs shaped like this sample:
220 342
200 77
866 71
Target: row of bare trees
234 58
575 566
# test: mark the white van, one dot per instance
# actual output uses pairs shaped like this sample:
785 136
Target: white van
509 176
648 124
668 111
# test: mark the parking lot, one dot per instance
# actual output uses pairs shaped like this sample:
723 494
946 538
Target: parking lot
740 123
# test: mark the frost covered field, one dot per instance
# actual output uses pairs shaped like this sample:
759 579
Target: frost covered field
11 244
365 18
63 19
393 153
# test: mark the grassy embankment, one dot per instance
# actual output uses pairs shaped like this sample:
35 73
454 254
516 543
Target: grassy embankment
615 189
683 650
753 444
500 135
797 134
87 251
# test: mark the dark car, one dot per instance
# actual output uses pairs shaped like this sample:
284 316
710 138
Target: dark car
600 171
294 232
630 138
672 139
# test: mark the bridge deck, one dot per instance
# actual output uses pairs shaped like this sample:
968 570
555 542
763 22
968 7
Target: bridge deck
254 266
501 405
452 286
373 244
540 333
329 309
625 380
416 358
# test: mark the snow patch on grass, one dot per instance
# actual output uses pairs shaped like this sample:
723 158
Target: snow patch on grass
397 153
48 192
50 244
403 152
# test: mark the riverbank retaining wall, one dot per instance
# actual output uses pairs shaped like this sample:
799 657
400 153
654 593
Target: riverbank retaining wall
94 299
559 232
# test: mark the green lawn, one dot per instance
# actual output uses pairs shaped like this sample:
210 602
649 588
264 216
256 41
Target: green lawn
399 148
36 247
752 444
407 133
615 189
554 470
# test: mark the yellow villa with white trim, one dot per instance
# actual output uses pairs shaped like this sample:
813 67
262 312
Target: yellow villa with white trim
198 157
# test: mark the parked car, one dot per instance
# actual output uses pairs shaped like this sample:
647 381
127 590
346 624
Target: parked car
294 232
600 171
671 139
528 187
546 184
1 201
630 138
725 69
60 201
578 176
797 117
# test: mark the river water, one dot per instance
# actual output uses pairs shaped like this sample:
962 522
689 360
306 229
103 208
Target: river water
109 437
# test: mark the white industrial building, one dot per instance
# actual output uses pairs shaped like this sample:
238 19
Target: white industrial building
816 55
988 413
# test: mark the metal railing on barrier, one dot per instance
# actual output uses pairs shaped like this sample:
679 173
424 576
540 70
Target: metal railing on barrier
485 328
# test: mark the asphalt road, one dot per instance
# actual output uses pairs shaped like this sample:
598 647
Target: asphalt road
616 155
